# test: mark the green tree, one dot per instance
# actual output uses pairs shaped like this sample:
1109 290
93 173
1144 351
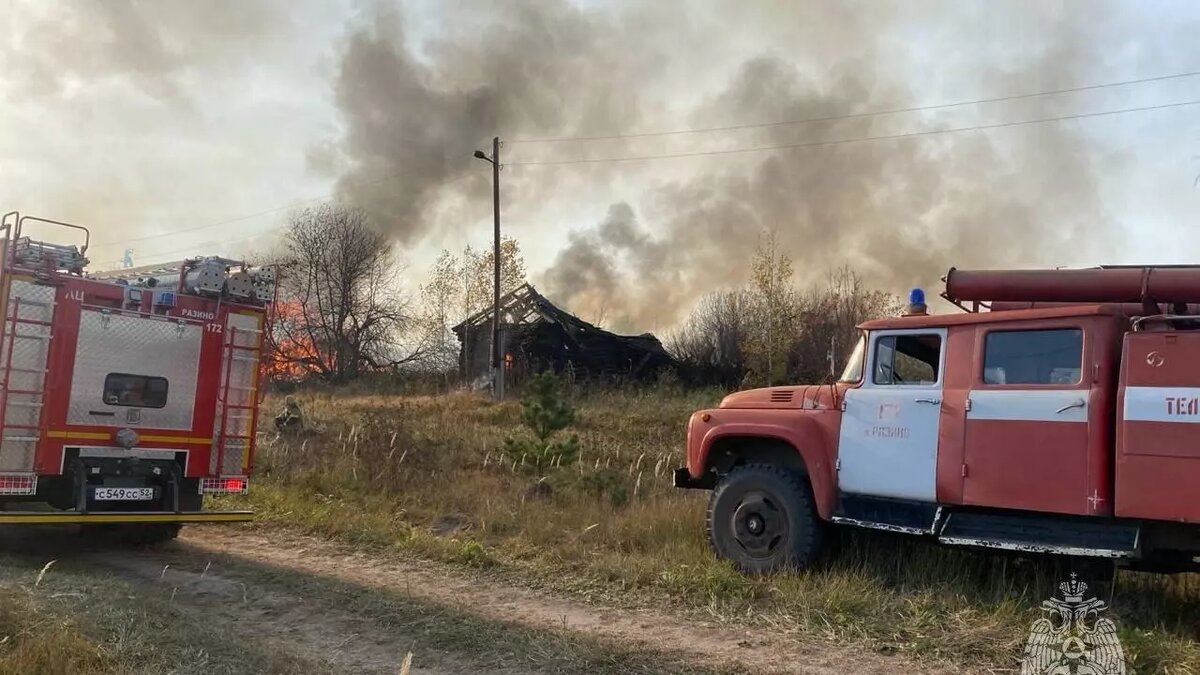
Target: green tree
439 305
458 286
545 411
773 310
478 271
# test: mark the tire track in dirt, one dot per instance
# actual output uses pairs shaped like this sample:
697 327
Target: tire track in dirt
280 627
335 641
702 643
324 636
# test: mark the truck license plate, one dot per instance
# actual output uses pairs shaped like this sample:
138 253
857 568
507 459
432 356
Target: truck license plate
123 494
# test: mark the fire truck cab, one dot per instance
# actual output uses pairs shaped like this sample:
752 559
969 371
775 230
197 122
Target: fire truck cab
1058 414
127 396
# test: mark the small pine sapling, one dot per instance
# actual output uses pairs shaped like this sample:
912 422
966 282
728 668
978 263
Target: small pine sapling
545 411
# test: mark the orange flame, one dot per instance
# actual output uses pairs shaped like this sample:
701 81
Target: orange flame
292 355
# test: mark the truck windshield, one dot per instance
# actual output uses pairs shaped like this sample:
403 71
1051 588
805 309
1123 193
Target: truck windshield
854 367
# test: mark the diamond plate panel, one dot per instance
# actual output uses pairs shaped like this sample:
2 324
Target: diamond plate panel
29 345
18 451
116 343
235 457
24 411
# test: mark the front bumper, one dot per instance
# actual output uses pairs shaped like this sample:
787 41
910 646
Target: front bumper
683 480
70 517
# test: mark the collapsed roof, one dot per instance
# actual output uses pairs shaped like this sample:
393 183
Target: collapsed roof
539 335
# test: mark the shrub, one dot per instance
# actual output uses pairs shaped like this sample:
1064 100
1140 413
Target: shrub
544 412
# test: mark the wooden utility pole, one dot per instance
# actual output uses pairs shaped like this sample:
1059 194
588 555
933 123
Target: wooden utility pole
497 344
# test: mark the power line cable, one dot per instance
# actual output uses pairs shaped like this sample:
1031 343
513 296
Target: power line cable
165 255
206 226
235 219
862 139
731 151
249 216
848 116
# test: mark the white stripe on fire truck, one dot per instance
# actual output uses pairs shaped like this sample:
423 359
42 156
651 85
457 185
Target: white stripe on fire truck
1029 405
1163 404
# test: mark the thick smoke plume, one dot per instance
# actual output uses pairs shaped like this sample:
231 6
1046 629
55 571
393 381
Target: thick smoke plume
414 114
415 92
900 212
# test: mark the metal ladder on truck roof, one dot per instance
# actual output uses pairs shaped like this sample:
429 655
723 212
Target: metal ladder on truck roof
249 359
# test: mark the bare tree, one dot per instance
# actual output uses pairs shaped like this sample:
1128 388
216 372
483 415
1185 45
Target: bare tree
724 341
340 312
829 316
711 344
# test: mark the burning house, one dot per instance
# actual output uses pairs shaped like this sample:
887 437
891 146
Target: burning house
537 335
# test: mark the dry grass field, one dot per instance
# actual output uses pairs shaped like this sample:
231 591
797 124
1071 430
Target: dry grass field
424 475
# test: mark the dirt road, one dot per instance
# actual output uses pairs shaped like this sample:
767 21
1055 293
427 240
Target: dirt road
316 606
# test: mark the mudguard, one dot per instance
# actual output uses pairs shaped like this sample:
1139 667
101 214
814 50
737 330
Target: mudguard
812 434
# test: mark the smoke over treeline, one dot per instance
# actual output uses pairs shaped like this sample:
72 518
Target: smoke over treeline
415 90
899 211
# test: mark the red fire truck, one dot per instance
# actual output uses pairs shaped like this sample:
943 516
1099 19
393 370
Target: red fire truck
125 397
1059 413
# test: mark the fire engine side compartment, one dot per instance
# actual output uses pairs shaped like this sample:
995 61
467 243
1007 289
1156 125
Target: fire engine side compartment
1158 454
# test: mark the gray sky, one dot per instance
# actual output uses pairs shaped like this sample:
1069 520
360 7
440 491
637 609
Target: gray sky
149 120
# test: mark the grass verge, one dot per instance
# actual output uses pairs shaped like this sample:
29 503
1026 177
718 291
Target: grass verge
425 474
77 619
36 640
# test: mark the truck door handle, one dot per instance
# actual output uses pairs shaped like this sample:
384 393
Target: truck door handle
930 401
1078 403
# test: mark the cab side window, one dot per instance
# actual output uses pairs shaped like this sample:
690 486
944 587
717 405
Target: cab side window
1052 356
907 359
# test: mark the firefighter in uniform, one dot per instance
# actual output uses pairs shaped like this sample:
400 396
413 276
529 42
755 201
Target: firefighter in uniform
290 419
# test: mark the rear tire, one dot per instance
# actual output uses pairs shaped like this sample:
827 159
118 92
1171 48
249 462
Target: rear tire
763 519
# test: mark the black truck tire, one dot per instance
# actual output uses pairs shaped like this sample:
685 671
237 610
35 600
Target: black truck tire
762 518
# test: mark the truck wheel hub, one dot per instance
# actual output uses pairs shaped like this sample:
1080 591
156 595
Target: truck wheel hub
759 525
